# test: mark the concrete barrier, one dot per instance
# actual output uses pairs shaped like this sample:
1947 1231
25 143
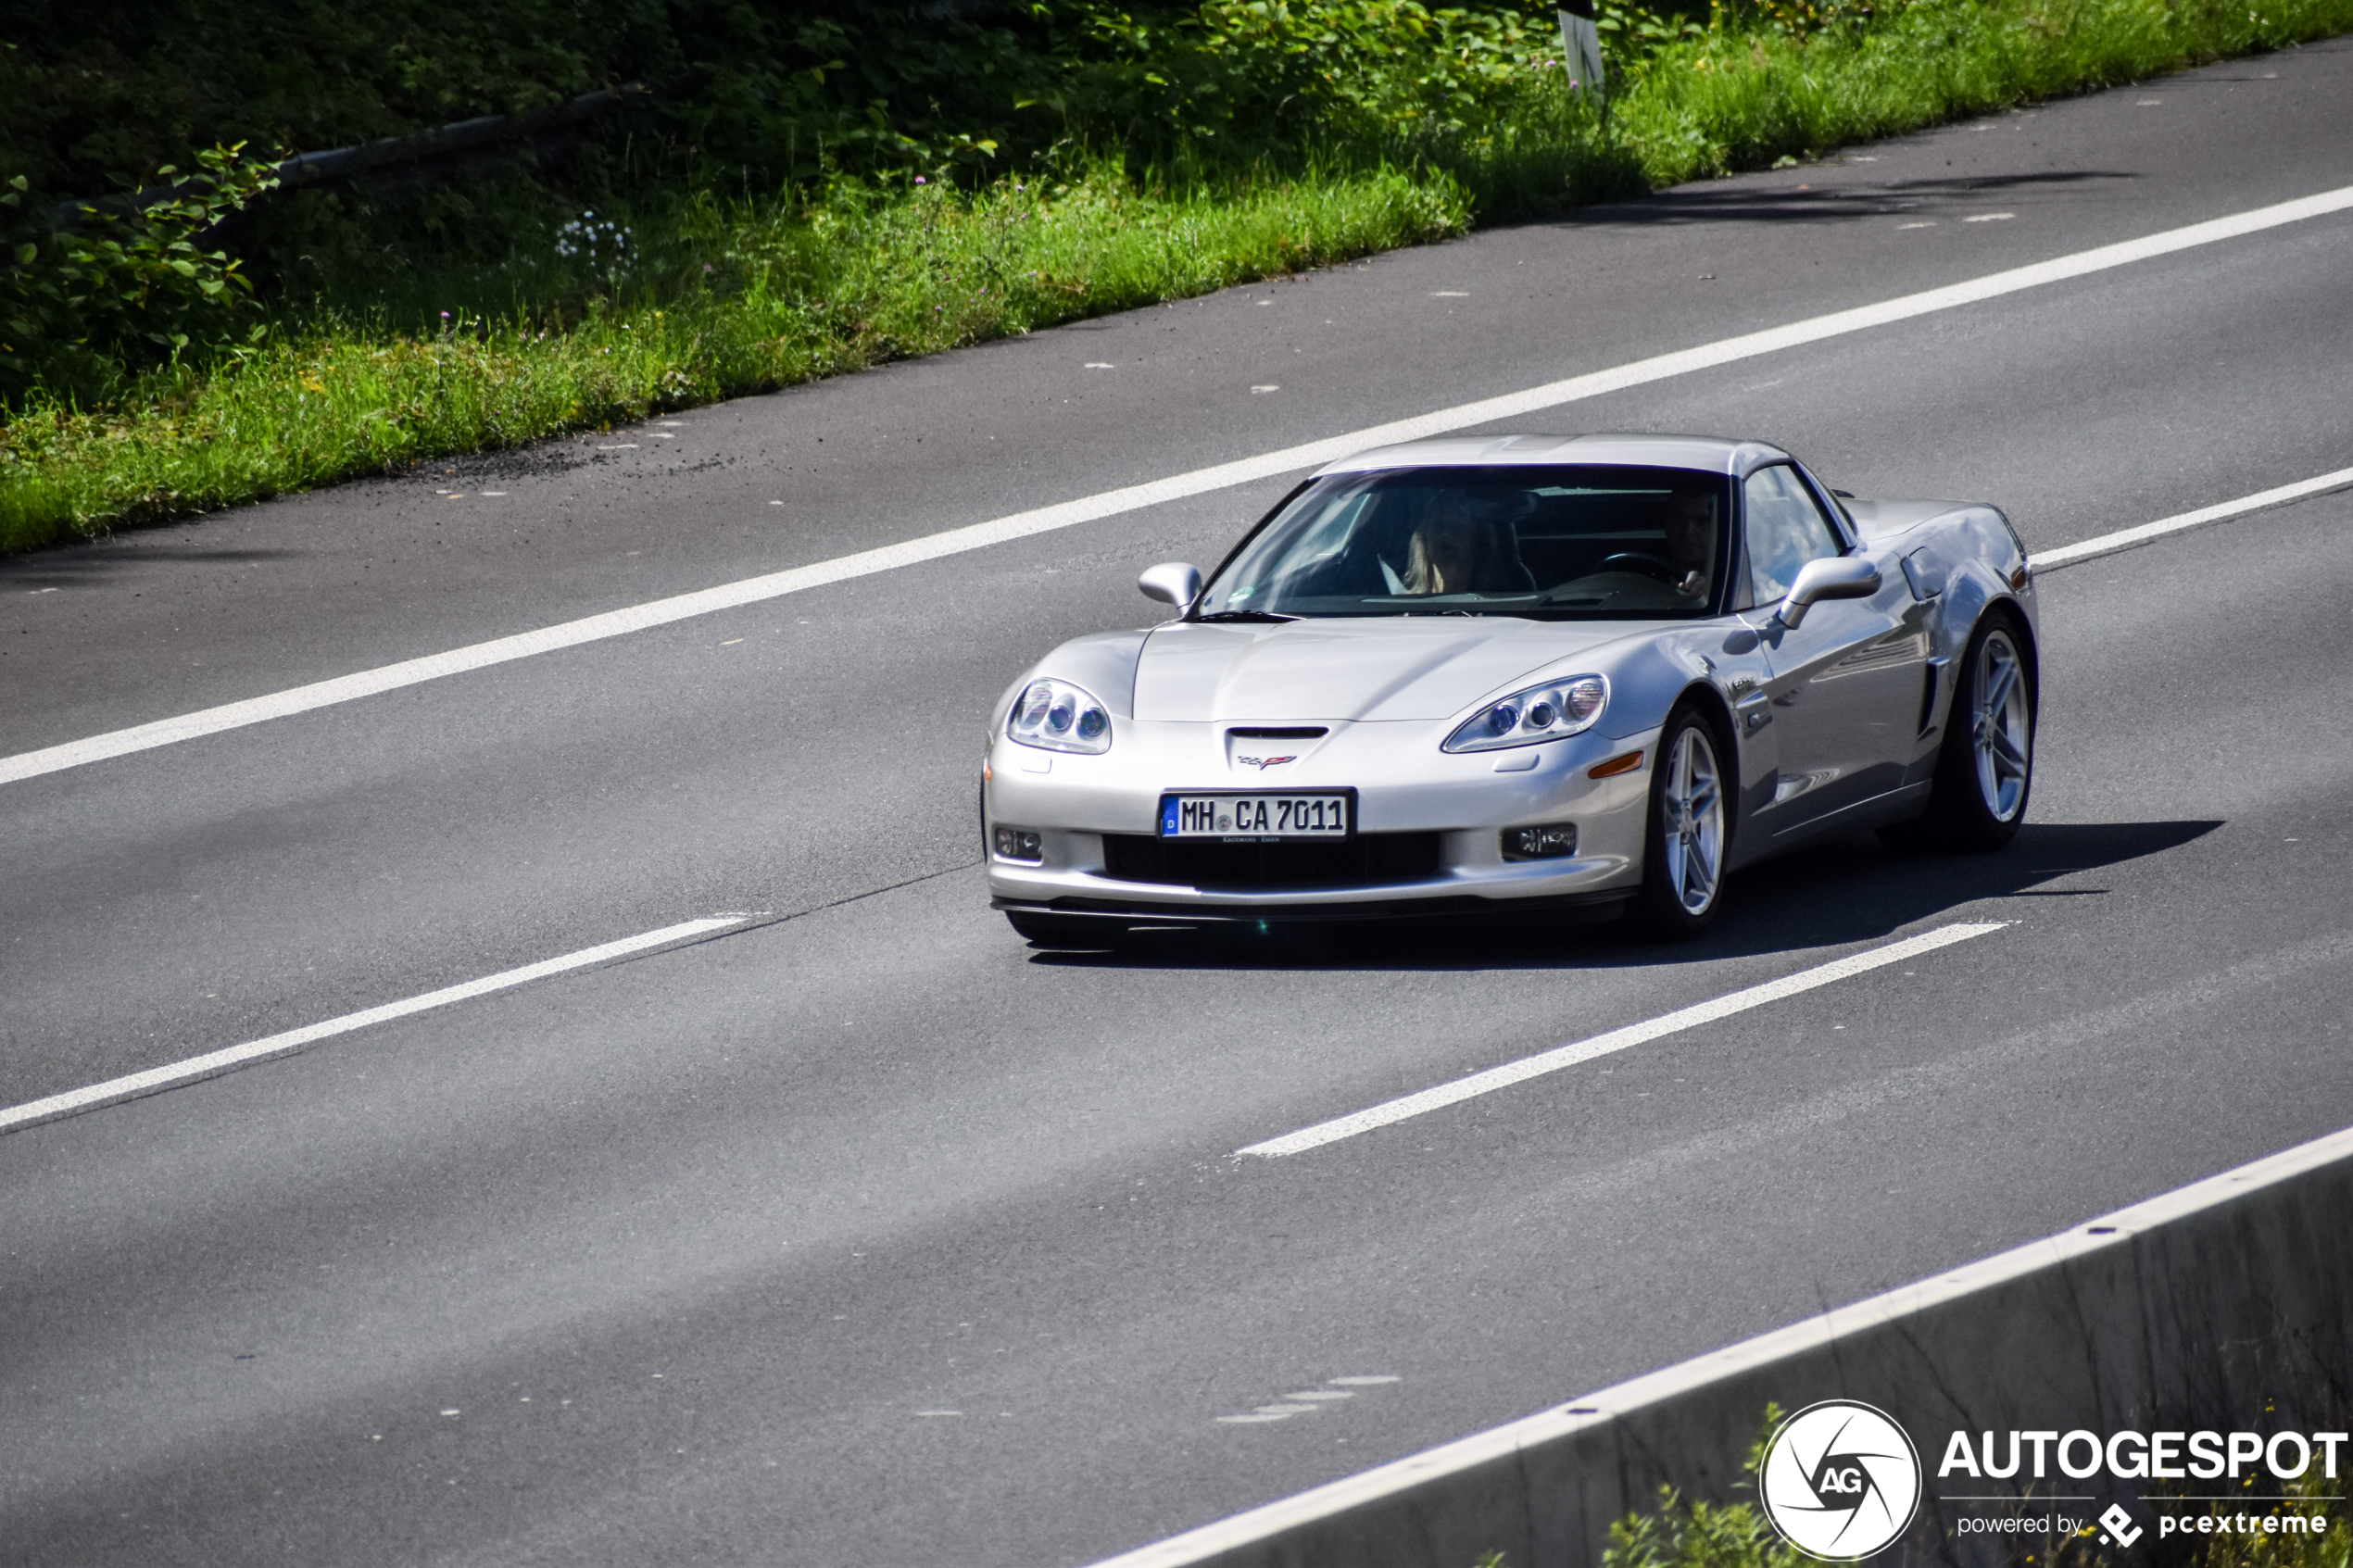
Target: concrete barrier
2222 1304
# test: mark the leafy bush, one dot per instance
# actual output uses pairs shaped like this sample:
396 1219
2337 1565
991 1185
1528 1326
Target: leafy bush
755 95
1278 72
123 285
755 100
1684 1533
1698 1535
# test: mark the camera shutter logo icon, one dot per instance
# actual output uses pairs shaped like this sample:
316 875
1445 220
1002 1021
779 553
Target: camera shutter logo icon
1840 1481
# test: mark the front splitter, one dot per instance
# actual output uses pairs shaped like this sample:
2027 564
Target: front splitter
1584 908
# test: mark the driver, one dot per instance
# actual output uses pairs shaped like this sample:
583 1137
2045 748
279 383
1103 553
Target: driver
1691 540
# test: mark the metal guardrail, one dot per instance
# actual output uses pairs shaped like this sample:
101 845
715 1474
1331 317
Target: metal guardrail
407 160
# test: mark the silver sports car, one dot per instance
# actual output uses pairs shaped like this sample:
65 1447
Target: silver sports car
1585 674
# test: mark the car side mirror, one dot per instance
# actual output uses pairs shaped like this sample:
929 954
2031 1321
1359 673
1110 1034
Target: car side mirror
1172 582
1838 577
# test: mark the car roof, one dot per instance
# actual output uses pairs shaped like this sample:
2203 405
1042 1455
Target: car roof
1707 453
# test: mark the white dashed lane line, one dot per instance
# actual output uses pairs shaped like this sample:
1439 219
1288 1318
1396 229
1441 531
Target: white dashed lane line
2125 538
1552 1060
1112 503
213 1063
1308 1401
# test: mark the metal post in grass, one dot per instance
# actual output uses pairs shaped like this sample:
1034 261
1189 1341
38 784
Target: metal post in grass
1582 47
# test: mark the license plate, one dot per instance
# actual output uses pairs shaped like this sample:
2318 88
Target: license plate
1256 817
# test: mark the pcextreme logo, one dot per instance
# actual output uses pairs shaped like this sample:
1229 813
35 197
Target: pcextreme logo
1841 1480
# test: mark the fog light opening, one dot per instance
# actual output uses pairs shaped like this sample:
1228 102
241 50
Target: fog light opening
1546 841
1018 844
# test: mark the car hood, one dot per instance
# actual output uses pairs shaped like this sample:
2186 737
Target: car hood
1419 667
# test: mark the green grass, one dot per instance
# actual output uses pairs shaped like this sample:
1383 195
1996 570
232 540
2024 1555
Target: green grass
760 295
863 279
1727 103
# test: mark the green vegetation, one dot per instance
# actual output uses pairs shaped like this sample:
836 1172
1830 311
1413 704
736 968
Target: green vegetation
2310 1495
802 197
1687 1534
867 277
2276 1552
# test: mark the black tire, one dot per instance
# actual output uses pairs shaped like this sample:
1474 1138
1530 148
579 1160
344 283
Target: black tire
1980 791
1064 933
1681 890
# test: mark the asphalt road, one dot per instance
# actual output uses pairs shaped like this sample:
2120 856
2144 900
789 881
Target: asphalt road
863 1234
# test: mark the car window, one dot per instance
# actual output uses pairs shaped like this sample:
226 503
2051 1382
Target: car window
1785 530
1566 541
1841 520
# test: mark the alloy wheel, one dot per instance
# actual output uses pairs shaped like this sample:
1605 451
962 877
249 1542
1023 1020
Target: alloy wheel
1694 826
2001 730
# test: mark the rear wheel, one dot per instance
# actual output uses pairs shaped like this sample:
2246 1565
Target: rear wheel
1064 932
1985 766
1689 832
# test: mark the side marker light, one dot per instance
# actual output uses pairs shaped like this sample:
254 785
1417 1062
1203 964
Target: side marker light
1614 766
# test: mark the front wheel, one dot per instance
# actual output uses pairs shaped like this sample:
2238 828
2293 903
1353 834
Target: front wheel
1689 830
1985 766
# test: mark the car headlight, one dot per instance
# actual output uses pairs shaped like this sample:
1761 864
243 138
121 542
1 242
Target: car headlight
1540 713
1056 716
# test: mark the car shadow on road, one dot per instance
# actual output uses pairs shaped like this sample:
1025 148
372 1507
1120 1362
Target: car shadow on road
1743 203
1844 891
91 563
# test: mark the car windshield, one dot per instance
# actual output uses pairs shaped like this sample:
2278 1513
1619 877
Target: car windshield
1568 543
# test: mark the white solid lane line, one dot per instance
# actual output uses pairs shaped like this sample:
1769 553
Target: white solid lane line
2125 538
1559 1056
1111 503
213 1063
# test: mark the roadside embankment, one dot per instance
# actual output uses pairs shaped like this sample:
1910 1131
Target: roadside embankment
2222 1301
753 296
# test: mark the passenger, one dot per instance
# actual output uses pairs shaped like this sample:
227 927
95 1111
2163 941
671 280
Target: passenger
1443 556
1457 550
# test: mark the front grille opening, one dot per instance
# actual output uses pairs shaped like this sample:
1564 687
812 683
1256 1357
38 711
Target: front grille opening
1302 732
1368 860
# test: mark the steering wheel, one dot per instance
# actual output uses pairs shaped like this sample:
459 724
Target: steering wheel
1642 561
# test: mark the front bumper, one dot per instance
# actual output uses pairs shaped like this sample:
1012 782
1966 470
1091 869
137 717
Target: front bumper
1404 784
